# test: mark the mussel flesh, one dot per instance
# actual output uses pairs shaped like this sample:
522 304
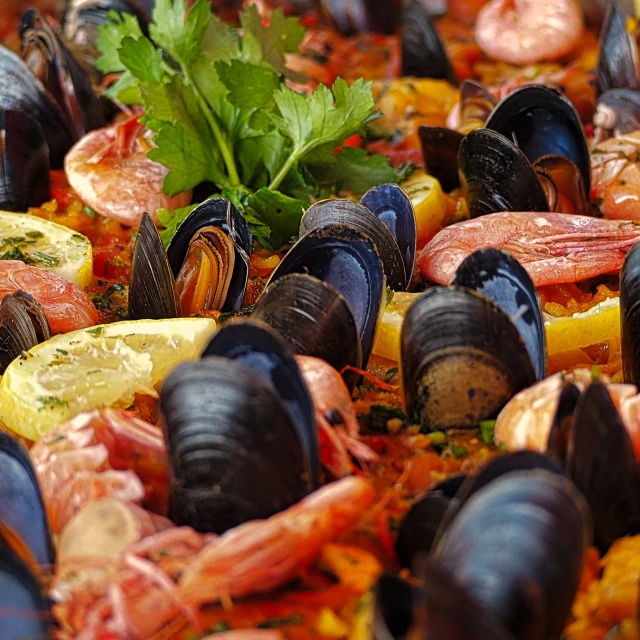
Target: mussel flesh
347 260
563 185
24 162
496 175
462 359
313 318
501 278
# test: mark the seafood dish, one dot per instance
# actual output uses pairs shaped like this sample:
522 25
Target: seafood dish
319 320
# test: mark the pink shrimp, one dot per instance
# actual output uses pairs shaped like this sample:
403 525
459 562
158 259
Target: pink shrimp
65 304
525 422
615 165
333 405
97 455
554 248
110 171
527 31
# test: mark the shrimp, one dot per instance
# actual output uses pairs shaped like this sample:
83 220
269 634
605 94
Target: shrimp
527 31
525 422
615 165
333 406
100 454
554 248
65 304
110 171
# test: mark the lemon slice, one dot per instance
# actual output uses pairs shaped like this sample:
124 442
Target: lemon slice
599 324
104 366
42 243
387 342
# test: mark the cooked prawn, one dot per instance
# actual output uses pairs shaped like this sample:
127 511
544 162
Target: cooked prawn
527 31
65 304
615 165
554 248
525 422
339 431
110 171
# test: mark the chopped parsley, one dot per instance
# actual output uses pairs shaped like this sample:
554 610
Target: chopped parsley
95 332
50 402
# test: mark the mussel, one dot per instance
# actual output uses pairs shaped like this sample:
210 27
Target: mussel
440 147
24 162
618 56
22 509
630 316
21 91
563 185
326 213
541 121
65 80
361 16
476 105
463 359
23 325
236 452
347 260
205 267
496 175
313 318
617 112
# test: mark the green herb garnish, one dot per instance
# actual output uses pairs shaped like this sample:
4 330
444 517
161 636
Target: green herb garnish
216 99
50 402
459 451
281 621
487 428
94 332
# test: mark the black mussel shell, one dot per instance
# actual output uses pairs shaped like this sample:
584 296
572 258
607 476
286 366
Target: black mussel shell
602 464
347 260
565 180
420 526
462 359
54 65
220 213
259 347
21 506
440 148
21 91
496 175
517 548
395 600
476 105
560 433
327 213
501 278
423 53
361 16
23 325
617 112
392 205
235 454
618 55
24 162
152 287
24 612
630 316
541 121
313 318
595 10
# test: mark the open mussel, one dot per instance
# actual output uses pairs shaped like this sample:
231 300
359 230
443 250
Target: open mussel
630 316
209 257
496 175
563 185
617 112
541 121
327 213
440 147
347 260
393 206
463 359
22 510
235 453
21 91
618 56
501 278
256 345
313 318
23 325
24 162
63 77
476 105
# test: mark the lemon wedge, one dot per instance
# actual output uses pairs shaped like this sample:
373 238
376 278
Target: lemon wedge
104 366
42 243
598 324
387 342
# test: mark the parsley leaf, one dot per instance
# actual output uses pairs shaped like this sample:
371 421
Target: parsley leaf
110 37
171 220
250 86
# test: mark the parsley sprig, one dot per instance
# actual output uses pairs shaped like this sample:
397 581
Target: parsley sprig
216 98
